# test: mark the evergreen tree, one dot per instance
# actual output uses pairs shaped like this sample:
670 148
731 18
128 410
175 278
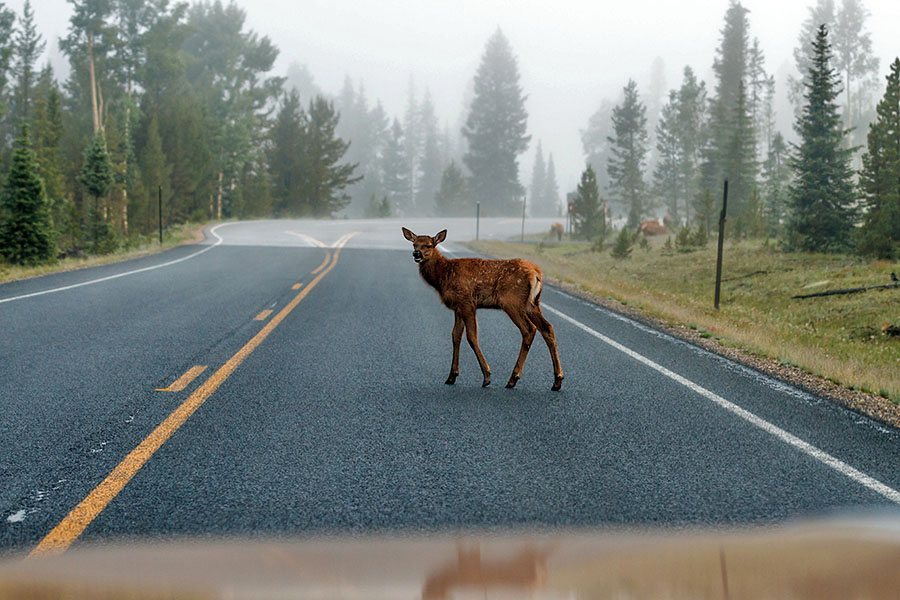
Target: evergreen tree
97 177
7 45
549 206
853 57
822 213
666 175
822 13
393 169
413 139
590 223
326 178
538 181
28 48
628 152
452 198
776 179
879 179
48 135
156 173
26 232
622 247
431 164
496 130
732 150
595 141
286 155
691 126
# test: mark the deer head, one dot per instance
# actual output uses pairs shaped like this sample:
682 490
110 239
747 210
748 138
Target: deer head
423 245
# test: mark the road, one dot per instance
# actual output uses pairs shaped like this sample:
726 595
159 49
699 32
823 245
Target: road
329 413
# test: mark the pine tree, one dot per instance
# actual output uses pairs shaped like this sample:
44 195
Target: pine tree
879 179
622 247
431 164
26 231
691 125
853 57
286 156
732 150
595 141
28 47
538 181
452 198
589 220
393 170
155 174
776 179
628 152
549 206
822 13
48 136
667 174
326 178
496 130
97 177
822 213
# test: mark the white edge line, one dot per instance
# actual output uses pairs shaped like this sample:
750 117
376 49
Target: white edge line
136 271
790 439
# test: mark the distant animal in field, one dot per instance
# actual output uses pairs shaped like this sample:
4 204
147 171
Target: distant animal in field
894 277
558 229
467 284
652 227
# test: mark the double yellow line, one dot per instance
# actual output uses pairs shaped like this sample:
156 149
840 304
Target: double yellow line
72 526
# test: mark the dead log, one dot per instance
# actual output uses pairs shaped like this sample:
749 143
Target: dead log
856 290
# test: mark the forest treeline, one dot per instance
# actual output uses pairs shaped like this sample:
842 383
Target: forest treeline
836 188
172 112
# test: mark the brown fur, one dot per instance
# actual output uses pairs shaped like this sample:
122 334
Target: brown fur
467 284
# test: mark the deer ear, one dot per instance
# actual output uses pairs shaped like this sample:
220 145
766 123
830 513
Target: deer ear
440 237
408 234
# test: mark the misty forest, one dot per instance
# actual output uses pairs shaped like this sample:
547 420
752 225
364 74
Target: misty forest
172 113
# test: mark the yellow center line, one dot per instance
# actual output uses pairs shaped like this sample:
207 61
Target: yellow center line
263 315
322 266
296 286
185 380
72 526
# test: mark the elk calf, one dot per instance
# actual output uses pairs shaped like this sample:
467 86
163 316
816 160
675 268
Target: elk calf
467 284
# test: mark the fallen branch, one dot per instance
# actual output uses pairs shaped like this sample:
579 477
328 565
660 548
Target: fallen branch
849 291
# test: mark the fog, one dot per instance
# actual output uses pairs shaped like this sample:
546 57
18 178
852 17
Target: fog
571 54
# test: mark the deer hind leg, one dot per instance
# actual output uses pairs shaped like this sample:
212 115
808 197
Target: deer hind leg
528 329
458 327
537 317
471 322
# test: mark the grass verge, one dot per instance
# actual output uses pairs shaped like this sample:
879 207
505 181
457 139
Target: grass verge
172 237
844 340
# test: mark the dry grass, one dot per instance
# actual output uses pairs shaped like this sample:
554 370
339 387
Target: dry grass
839 338
172 237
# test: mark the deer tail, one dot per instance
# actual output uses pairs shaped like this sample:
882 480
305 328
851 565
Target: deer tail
535 291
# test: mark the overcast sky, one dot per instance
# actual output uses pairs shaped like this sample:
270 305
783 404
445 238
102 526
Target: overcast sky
571 54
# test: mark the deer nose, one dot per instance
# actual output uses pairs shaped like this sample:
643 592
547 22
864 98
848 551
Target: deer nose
417 254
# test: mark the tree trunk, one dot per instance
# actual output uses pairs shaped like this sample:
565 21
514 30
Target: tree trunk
95 114
219 197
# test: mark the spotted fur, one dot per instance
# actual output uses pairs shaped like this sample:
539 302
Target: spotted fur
467 284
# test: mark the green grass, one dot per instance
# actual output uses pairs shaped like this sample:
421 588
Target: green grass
173 236
836 337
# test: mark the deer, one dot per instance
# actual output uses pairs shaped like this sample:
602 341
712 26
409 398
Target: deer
467 284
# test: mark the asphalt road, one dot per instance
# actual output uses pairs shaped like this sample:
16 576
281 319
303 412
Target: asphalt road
329 414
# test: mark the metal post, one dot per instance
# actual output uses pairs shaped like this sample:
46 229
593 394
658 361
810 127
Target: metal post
522 238
160 215
721 242
477 217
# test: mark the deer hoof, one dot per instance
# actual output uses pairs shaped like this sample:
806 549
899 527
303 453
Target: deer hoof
557 383
451 379
512 382
487 382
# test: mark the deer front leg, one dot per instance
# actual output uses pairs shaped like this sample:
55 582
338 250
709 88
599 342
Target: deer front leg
472 336
458 327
